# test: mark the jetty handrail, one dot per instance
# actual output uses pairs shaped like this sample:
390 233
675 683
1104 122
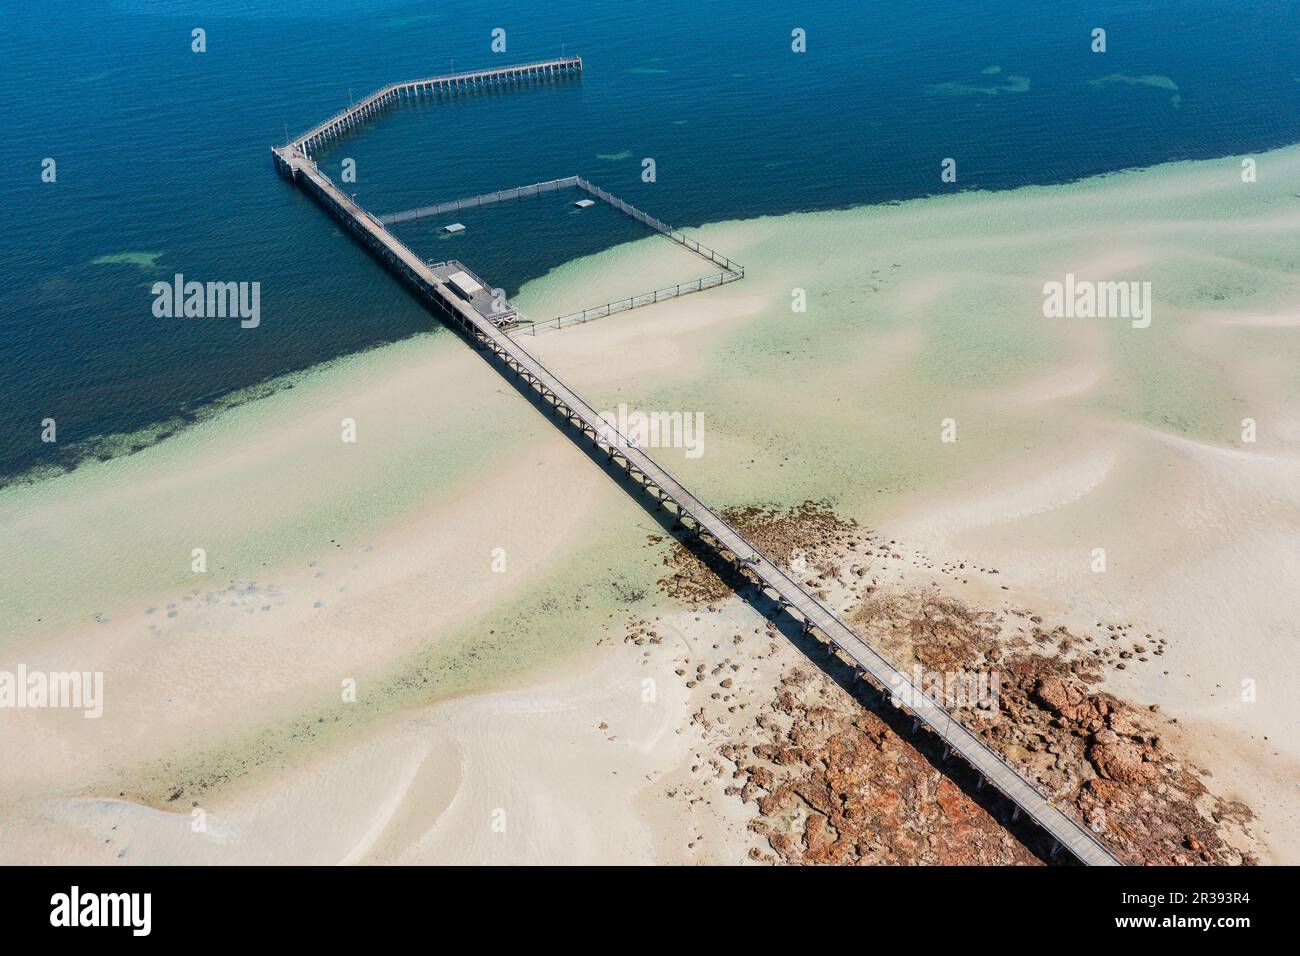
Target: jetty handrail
632 302
341 115
495 71
657 224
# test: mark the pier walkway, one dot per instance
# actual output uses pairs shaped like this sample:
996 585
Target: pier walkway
691 513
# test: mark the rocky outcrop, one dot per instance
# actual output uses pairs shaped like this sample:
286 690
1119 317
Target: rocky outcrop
833 783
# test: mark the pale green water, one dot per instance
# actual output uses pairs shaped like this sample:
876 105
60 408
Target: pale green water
117 532
147 261
563 612
932 309
1153 80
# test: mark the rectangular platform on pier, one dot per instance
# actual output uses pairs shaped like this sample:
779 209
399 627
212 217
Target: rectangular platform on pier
475 291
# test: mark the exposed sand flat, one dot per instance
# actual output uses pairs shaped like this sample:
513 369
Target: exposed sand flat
327 562
1063 382
522 776
475 689
1210 563
261 648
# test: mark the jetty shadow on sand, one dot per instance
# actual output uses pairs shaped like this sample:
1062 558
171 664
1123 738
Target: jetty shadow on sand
828 659
820 654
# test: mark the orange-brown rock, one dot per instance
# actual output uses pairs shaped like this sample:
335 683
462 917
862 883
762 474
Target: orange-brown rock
1117 759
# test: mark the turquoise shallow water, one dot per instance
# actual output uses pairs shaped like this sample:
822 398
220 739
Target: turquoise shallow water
162 162
845 402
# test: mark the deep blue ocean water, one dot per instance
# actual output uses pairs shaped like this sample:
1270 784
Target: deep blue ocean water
165 151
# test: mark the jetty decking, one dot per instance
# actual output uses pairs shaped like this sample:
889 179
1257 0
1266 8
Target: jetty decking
691 513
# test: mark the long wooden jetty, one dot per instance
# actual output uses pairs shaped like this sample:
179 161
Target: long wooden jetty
692 515
396 93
